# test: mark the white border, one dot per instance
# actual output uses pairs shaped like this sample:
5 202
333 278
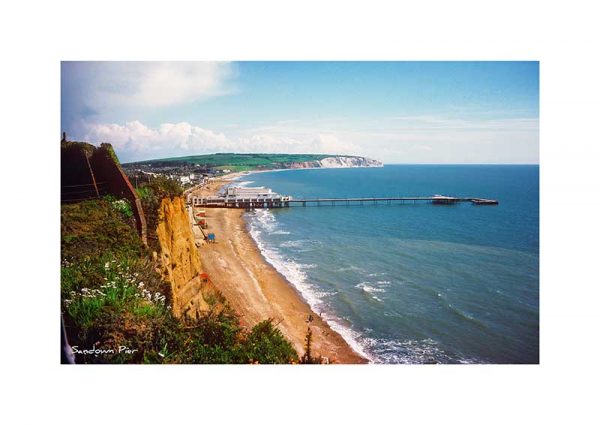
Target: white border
37 36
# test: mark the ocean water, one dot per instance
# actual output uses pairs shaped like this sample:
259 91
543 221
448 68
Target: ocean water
415 283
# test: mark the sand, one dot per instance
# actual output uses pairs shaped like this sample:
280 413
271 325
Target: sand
257 291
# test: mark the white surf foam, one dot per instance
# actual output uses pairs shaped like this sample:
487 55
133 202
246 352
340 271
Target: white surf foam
264 221
367 288
411 352
244 183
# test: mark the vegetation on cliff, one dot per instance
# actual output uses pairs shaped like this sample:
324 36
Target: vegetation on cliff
151 193
117 306
237 161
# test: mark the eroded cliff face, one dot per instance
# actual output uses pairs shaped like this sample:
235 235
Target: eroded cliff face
178 260
338 162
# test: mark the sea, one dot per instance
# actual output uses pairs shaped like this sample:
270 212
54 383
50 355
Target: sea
413 283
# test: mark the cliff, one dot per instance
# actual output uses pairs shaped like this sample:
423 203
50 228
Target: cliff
336 162
179 262
261 161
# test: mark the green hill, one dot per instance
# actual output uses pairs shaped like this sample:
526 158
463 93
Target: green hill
237 161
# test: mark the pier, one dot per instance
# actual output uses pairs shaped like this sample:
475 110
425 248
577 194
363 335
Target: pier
436 199
253 198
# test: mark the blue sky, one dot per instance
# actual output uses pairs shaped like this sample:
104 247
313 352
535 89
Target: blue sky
397 112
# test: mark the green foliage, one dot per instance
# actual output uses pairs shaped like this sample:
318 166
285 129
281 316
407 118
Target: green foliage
113 299
151 193
92 227
160 187
308 358
107 147
266 344
145 192
122 206
240 162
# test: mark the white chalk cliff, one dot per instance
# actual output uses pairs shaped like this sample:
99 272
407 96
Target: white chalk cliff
337 162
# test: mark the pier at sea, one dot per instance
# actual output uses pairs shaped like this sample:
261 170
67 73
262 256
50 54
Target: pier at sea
261 197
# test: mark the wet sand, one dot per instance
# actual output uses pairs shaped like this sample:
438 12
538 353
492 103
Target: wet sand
257 291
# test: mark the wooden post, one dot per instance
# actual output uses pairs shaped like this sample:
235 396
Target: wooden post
92 174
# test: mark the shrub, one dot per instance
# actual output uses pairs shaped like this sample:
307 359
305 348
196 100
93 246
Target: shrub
151 193
112 297
122 206
266 344
308 358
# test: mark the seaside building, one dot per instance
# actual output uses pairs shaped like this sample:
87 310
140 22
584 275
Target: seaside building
247 192
244 197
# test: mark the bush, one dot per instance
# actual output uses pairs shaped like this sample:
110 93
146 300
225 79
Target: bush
308 358
118 300
103 297
112 298
266 344
151 193
120 205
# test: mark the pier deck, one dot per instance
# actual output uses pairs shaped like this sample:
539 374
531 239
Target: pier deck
286 201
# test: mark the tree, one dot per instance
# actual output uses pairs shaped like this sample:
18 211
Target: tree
307 358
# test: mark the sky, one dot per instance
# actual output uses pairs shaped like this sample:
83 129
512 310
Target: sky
396 112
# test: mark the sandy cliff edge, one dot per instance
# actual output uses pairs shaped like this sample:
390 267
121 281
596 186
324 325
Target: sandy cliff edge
257 291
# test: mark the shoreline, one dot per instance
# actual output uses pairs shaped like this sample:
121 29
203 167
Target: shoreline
257 290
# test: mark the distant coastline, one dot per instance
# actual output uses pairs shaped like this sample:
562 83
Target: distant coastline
230 162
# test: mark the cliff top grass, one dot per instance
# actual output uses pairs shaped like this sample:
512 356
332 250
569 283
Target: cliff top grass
117 309
237 160
94 226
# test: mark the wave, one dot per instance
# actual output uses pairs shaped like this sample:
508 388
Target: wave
367 288
291 244
244 183
300 245
351 268
410 351
463 315
294 272
265 219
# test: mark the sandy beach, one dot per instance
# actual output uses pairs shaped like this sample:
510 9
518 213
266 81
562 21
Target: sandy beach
256 290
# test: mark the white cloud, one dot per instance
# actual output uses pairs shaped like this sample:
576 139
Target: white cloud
136 141
155 84
99 89
414 140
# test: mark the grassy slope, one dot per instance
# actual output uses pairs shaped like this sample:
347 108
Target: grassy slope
240 162
111 296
